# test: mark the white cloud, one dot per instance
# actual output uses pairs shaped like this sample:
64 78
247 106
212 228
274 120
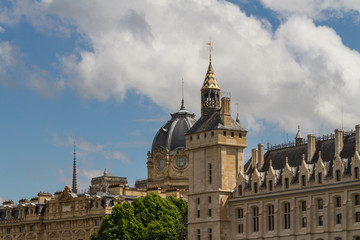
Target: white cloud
314 9
300 74
2 29
120 156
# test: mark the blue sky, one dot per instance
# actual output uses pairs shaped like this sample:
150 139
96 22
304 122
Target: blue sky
109 73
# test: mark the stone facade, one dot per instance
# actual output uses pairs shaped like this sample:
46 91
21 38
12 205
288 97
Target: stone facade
65 215
309 189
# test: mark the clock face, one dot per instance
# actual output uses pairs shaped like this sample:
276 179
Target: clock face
180 162
160 163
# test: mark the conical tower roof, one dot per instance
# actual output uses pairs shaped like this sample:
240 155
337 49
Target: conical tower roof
210 79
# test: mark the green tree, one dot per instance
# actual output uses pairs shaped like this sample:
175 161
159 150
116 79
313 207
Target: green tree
149 217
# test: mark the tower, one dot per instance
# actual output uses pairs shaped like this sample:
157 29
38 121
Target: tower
74 182
215 145
298 137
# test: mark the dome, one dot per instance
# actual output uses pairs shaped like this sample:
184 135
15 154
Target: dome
172 134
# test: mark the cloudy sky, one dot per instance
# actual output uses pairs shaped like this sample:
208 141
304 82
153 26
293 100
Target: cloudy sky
108 73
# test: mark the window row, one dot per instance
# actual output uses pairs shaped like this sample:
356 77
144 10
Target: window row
232 134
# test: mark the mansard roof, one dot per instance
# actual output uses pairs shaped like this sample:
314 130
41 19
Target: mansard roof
212 122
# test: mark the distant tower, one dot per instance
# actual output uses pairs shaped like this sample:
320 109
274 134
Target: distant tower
298 138
215 145
74 184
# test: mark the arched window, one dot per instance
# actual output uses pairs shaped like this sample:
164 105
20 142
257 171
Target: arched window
319 178
287 215
255 187
255 219
270 217
338 176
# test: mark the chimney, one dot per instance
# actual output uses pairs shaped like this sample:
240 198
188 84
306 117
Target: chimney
225 111
260 155
310 146
357 129
339 141
254 156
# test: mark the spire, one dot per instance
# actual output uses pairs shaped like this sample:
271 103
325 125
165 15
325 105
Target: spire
210 79
182 95
298 134
74 182
210 91
298 137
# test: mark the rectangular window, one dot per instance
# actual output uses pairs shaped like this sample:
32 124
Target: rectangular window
210 173
240 228
303 180
32 228
357 217
338 202
320 204
271 217
205 135
338 176
303 222
198 234
97 222
198 200
240 189
21 229
255 187
198 213
338 218
209 199
240 213
319 178
303 206
209 212
232 134
320 221
286 183
357 199
270 185
8 230
224 133
356 173
255 219
287 215
210 233
240 135
212 134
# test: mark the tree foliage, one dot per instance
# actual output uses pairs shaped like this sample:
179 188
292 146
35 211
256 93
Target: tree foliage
149 217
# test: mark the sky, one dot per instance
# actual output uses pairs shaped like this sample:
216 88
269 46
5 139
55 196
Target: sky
109 73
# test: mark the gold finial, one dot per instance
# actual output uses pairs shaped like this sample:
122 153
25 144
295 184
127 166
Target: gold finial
210 48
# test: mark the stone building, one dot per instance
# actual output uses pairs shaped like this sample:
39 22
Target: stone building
167 163
102 183
66 215
306 190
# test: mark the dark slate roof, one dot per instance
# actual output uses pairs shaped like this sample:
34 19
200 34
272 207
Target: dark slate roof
348 152
294 154
213 121
172 134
